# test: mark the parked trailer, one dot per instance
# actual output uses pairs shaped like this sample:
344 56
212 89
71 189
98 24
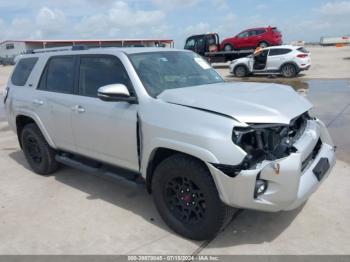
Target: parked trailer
208 46
335 40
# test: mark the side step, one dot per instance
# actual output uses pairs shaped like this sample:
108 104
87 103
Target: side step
99 169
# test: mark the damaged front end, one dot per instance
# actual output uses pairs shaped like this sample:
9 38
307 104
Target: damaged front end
283 166
268 141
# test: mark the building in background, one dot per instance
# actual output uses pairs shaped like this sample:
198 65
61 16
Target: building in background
9 49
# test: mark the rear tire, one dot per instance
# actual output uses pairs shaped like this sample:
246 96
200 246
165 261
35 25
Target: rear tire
187 199
40 156
240 71
289 70
228 47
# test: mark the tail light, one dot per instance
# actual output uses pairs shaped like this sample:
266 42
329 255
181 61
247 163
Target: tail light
302 55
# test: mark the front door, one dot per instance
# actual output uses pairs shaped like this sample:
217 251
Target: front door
260 60
105 131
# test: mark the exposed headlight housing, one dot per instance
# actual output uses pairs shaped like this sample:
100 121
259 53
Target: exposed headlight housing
268 141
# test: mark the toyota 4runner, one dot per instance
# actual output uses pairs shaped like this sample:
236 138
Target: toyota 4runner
166 118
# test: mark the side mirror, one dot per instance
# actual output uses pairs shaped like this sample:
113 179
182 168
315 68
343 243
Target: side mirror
115 93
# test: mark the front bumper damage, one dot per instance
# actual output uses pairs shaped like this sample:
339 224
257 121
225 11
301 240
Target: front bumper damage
290 180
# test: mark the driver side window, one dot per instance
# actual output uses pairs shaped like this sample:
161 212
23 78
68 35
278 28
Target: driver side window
190 44
243 34
97 71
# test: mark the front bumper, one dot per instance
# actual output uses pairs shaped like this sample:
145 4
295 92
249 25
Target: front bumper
288 188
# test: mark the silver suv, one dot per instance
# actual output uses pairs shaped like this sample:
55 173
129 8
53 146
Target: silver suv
166 118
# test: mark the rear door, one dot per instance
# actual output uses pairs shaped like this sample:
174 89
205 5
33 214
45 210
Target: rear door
259 37
105 131
276 57
56 95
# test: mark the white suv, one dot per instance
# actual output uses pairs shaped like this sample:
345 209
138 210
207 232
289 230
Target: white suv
166 118
286 60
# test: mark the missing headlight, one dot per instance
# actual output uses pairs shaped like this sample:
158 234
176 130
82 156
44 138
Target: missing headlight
268 141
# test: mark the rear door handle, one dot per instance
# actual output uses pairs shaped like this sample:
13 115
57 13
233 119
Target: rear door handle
78 109
38 102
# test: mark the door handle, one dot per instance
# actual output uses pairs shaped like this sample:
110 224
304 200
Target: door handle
78 109
38 102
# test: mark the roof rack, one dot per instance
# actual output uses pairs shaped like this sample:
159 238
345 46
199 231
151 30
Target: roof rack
58 49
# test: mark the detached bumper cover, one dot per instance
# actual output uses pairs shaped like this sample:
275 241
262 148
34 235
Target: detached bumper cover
291 180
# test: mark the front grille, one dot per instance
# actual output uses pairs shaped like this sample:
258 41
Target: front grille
312 155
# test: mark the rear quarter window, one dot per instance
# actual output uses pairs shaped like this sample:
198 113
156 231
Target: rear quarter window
279 51
303 50
22 71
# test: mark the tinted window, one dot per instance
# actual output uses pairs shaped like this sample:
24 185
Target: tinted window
60 75
190 44
99 71
259 31
22 71
252 32
276 31
243 34
279 51
303 50
200 43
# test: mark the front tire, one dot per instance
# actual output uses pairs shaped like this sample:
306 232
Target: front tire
241 71
187 199
40 156
289 70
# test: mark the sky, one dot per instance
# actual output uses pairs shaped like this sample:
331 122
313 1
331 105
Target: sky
170 19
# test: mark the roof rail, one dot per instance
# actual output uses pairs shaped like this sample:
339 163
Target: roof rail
58 49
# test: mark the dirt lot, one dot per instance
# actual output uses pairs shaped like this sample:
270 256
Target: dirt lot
77 213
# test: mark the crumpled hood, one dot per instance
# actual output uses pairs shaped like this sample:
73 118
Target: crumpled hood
246 102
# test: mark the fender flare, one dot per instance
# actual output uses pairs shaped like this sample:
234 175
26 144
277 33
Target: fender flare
189 149
289 62
240 64
39 123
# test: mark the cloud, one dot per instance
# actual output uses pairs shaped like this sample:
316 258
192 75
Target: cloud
261 7
174 19
335 8
119 20
50 22
220 4
175 4
200 28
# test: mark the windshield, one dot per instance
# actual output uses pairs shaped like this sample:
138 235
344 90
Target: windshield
164 70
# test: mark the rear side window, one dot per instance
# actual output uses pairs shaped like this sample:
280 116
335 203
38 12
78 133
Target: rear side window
22 71
303 50
259 31
276 31
98 71
59 75
279 51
